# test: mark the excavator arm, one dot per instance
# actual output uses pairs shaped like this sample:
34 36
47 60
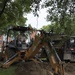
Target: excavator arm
31 52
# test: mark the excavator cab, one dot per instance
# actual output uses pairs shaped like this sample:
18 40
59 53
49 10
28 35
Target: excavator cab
19 38
17 43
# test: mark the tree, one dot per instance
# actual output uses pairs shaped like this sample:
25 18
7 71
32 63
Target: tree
12 12
52 27
61 13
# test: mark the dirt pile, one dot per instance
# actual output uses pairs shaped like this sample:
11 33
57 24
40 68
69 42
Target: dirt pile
33 68
69 68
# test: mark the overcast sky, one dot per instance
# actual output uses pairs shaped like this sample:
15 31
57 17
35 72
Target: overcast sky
41 19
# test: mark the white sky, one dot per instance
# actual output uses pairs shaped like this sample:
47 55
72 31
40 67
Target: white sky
41 19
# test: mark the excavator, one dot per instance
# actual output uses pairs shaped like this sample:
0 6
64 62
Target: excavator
23 48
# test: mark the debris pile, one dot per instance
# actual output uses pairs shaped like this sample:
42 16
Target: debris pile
69 69
33 68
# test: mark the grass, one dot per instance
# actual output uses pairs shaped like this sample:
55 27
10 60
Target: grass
8 71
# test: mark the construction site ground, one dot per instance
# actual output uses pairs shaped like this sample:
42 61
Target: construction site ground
35 68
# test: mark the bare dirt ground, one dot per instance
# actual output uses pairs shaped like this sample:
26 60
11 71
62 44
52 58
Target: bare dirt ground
42 68
69 68
33 68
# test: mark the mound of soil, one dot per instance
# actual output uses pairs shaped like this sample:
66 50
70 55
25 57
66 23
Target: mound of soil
33 68
69 69
42 68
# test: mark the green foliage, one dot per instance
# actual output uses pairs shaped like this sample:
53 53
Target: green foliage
53 26
61 12
46 28
12 12
8 71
